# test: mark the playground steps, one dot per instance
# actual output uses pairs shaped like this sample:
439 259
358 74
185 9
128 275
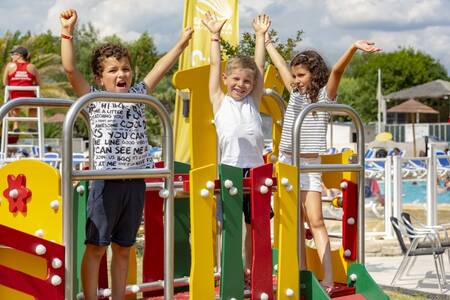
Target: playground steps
342 292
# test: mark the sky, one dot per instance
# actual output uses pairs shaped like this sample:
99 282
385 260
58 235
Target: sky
330 26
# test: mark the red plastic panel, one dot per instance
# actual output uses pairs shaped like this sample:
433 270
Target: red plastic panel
349 218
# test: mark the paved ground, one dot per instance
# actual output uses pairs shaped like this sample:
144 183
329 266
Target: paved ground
422 276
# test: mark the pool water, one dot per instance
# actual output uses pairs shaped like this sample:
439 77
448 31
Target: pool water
416 192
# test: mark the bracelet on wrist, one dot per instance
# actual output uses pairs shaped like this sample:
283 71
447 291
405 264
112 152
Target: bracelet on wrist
215 39
267 42
66 36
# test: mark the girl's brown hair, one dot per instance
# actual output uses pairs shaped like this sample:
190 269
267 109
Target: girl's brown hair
315 64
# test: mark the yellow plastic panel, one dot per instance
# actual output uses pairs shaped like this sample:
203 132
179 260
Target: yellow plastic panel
288 273
333 179
201 284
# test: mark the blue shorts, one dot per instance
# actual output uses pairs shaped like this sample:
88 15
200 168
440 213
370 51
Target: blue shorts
114 211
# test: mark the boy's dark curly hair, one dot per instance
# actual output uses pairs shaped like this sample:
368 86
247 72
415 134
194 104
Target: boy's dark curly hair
103 52
318 68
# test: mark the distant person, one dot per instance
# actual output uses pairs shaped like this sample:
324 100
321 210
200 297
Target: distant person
20 72
396 151
381 153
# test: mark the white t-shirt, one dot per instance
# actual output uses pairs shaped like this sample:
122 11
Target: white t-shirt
239 132
119 133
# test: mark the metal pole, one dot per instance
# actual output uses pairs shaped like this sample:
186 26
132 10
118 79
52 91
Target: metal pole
68 174
431 186
388 197
358 167
397 187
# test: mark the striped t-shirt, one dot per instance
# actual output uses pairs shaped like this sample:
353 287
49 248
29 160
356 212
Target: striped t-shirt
314 127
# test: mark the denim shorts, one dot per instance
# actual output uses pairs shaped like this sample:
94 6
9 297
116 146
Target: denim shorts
308 181
114 211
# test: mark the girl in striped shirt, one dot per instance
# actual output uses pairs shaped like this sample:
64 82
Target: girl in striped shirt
308 80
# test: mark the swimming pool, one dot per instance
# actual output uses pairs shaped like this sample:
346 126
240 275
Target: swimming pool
416 192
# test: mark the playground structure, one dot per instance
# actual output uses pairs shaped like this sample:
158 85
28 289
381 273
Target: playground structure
46 221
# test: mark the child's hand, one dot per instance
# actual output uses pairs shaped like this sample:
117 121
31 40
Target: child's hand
366 46
261 24
68 19
211 22
186 37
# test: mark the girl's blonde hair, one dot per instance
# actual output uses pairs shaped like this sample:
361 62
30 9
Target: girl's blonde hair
241 62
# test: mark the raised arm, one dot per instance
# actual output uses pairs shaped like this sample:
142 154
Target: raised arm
215 92
260 25
280 63
339 68
166 62
5 75
68 19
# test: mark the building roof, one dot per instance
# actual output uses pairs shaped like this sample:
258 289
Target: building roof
433 89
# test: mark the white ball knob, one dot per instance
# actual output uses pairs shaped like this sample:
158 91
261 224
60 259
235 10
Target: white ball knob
284 181
268 182
163 193
353 277
275 267
289 292
40 249
106 292
80 189
56 263
233 191
228 183
344 185
273 158
54 204
347 253
80 296
210 185
263 189
204 193
14 193
39 233
350 221
135 288
233 298
264 296
56 280
289 187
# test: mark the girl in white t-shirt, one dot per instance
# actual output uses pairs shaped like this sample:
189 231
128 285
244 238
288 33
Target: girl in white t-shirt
308 80
236 112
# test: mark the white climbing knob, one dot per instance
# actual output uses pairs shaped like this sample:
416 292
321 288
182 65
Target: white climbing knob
135 288
347 253
350 221
233 191
14 193
284 181
80 189
163 193
273 158
56 280
54 204
353 277
39 233
275 267
204 193
40 249
106 292
56 263
289 292
228 183
263 189
210 185
268 182
289 187
264 296
344 185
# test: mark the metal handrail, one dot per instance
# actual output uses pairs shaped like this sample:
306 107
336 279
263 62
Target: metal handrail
358 167
69 174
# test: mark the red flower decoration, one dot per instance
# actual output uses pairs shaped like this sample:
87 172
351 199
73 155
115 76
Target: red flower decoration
17 193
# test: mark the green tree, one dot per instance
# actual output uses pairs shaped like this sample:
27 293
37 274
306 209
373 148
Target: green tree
400 69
